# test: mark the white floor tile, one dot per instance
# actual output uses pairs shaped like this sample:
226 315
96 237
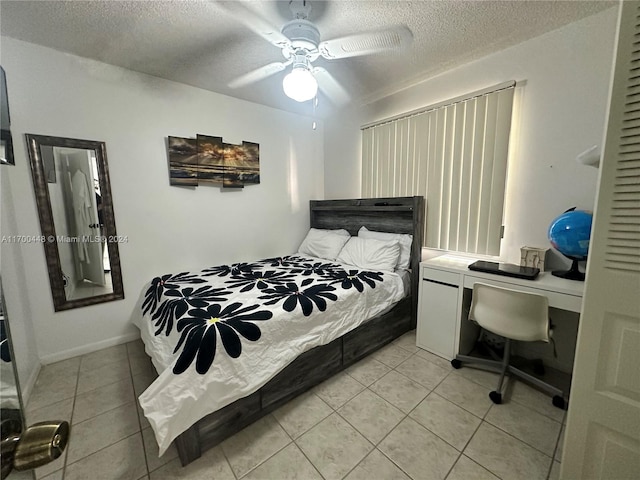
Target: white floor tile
57 411
302 413
334 447
123 460
527 425
418 452
371 415
408 342
93 435
106 356
57 475
211 465
426 373
535 399
151 451
368 370
103 375
481 377
400 391
441 362
506 456
102 399
375 466
391 355
466 394
447 420
467 469
250 447
288 464
338 390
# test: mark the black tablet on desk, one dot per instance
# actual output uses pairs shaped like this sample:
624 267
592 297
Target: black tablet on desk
506 269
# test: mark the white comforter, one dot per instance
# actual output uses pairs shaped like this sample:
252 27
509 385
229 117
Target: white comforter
220 334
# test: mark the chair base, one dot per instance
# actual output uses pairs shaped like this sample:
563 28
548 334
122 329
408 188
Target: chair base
558 399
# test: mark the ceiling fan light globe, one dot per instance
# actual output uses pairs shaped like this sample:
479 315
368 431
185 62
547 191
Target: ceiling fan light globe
300 85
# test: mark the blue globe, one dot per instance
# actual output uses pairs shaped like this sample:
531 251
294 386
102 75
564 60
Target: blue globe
570 233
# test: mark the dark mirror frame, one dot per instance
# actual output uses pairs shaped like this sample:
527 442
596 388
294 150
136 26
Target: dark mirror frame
34 144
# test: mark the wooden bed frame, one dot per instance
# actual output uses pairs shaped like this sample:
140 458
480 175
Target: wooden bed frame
397 215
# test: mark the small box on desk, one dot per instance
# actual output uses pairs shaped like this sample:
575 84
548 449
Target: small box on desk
533 257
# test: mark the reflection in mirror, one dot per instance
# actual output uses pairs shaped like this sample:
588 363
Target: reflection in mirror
8 386
76 205
11 414
73 193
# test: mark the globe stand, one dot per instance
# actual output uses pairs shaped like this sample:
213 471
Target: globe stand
572 274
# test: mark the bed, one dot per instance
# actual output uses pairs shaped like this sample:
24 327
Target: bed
264 358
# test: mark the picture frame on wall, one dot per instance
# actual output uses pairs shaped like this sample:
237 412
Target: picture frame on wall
183 161
233 161
208 160
211 166
242 164
252 159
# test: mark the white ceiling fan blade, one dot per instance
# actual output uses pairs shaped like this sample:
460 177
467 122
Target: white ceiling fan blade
366 43
330 86
258 74
252 20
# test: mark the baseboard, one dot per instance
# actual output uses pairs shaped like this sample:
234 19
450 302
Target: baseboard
84 349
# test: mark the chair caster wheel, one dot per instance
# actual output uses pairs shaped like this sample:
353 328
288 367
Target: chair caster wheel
559 402
496 397
455 363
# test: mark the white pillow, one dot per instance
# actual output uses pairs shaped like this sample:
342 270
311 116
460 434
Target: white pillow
324 243
402 238
370 254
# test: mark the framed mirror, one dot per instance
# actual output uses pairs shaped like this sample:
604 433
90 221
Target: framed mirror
73 196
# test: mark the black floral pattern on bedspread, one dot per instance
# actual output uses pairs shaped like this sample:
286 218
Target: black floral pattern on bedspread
203 313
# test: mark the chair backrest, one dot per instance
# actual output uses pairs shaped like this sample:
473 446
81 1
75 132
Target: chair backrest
510 313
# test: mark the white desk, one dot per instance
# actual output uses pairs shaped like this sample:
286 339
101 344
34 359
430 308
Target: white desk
443 296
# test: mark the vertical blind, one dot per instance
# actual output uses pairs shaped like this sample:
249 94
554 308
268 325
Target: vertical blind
455 155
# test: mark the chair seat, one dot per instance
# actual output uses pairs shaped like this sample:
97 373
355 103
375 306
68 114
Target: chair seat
510 313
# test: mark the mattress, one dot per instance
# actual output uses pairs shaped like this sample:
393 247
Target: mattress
220 334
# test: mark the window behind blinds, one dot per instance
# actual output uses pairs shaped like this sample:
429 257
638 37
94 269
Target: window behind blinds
455 155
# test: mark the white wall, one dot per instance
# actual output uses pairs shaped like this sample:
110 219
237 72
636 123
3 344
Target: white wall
563 83
168 228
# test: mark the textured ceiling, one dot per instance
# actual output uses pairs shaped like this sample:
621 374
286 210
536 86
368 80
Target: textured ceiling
198 43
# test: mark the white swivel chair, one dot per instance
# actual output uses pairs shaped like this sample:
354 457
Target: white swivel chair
514 315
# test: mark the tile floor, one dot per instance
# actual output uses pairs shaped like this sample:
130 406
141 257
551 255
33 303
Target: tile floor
86 289
401 413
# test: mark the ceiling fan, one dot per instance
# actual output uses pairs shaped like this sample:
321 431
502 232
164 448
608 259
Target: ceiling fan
301 45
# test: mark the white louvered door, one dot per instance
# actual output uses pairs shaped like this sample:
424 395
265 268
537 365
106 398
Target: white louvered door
602 439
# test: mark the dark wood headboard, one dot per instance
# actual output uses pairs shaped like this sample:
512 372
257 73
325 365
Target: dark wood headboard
395 215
